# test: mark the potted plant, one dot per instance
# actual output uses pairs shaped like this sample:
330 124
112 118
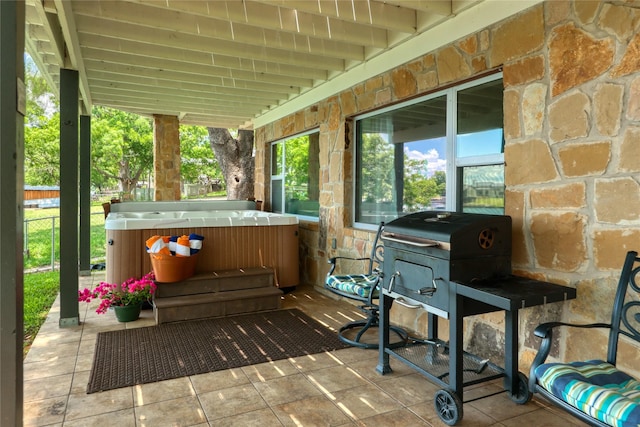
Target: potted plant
126 299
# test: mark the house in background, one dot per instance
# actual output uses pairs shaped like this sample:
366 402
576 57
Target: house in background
40 196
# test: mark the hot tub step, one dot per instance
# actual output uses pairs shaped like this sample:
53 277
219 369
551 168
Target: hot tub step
216 304
219 281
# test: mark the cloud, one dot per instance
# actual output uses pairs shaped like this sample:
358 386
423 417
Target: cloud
431 157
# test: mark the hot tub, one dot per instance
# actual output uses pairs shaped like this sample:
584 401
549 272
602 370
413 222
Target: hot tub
234 238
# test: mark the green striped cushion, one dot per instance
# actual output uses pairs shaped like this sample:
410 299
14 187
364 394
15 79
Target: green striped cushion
355 284
596 388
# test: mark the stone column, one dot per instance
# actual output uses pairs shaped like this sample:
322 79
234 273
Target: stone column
166 157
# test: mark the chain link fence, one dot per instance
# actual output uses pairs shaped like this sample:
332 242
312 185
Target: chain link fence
42 241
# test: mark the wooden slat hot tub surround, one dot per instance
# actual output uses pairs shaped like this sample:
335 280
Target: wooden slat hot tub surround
224 248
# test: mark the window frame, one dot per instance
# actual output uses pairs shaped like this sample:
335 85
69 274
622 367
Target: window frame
455 164
283 176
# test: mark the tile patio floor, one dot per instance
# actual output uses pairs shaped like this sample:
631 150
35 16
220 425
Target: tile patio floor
340 388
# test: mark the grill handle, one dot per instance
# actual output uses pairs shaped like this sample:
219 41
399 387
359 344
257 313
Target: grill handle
406 304
425 244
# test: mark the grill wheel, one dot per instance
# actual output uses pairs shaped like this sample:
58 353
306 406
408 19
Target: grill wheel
486 238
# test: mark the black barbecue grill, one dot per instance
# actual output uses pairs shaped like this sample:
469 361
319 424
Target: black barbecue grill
454 265
425 251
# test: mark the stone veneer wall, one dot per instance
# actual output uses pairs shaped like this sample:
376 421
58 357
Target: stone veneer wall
166 157
572 131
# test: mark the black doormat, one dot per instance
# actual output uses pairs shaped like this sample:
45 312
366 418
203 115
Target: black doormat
143 355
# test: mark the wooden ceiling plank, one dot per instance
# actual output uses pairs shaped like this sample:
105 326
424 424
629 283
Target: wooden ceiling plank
196 57
438 7
118 69
369 12
109 79
150 17
267 16
204 44
201 107
165 65
179 96
154 106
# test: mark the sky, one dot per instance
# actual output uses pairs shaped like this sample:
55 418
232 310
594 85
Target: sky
434 150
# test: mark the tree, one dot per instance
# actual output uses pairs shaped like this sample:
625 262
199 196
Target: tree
42 131
198 163
235 157
121 148
377 169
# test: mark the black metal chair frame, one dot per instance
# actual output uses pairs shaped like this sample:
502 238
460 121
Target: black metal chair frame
369 307
625 321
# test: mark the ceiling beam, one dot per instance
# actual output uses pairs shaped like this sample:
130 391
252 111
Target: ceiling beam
53 31
35 55
69 30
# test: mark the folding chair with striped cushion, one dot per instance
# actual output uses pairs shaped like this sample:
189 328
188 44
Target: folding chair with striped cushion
363 287
596 391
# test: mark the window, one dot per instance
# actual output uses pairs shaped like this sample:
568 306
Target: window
295 175
443 151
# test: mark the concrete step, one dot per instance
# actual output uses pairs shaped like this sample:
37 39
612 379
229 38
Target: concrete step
221 281
216 304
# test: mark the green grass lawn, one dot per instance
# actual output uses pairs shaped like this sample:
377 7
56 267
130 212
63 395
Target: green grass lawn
40 291
42 226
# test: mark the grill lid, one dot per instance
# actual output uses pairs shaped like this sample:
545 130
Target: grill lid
487 233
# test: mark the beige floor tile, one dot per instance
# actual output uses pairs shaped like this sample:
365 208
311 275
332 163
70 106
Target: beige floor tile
80 382
502 408
286 389
144 394
268 371
42 353
84 363
471 417
87 346
352 355
398 418
211 381
409 389
364 401
260 418
335 378
44 412
182 412
48 387
313 411
540 418
50 368
123 418
231 401
311 362
83 405
368 369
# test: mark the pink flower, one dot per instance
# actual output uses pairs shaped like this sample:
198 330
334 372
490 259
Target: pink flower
132 291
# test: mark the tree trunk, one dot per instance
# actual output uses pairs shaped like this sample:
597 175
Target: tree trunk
235 157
